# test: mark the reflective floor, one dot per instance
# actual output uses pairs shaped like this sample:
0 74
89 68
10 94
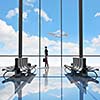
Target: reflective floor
51 87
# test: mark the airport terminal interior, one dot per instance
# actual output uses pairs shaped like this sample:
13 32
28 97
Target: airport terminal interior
49 50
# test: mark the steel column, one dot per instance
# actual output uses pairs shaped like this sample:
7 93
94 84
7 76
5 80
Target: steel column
20 27
80 30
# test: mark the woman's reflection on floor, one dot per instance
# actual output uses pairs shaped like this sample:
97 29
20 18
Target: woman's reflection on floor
45 75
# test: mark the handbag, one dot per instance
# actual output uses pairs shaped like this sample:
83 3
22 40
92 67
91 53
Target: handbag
43 59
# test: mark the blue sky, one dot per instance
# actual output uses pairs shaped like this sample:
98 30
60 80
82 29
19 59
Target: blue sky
50 17
51 23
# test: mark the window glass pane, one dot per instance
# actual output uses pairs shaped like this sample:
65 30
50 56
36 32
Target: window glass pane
70 89
50 17
31 91
91 30
54 66
34 61
70 26
8 26
6 62
30 27
6 89
51 89
93 88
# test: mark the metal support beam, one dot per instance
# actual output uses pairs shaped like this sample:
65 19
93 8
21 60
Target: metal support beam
17 84
20 38
81 94
80 30
20 27
20 94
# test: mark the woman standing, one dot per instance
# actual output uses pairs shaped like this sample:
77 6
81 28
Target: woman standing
46 57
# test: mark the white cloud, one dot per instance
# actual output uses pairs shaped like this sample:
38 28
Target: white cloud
70 47
9 36
86 41
33 88
31 43
53 46
56 95
97 14
29 3
96 88
43 14
96 41
7 91
25 15
56 85
14 12
90 50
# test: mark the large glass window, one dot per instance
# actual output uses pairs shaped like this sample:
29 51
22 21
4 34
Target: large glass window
55 24
8 27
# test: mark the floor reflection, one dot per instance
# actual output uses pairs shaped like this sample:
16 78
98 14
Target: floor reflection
45 75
